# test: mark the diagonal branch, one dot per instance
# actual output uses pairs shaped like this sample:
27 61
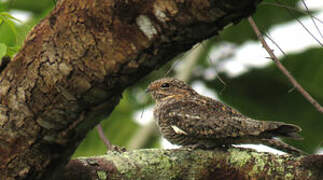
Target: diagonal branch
283 69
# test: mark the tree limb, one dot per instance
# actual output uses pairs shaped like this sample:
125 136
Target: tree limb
198 164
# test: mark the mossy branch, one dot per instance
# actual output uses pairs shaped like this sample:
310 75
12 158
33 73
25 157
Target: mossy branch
195 164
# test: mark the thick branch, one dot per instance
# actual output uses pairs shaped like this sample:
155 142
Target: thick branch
74 65
198 164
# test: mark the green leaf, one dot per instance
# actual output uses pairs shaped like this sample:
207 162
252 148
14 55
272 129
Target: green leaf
12 50
12 27
7 36
3 50
5 15
8 19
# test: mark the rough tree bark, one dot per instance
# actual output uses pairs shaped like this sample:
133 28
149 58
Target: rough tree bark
75 63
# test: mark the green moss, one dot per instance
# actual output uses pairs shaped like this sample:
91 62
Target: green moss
278 165
290 167
102 175
238 158
289 176
260 161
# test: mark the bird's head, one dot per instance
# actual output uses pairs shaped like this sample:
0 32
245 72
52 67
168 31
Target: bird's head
169 87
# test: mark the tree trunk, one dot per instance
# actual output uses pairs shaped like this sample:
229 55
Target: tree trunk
234 164
75 63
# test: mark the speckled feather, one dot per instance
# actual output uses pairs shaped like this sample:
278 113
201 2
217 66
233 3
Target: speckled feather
187 118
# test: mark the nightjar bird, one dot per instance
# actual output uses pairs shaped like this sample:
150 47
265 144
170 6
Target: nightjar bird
187 118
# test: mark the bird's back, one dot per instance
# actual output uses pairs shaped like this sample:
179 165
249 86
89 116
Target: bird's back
200 118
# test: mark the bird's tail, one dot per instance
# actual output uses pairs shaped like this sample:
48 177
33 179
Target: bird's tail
284 130
277 144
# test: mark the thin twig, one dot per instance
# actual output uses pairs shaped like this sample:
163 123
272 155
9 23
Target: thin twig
104 139
283 69
292 8
304 27
308 11
274 42
307 30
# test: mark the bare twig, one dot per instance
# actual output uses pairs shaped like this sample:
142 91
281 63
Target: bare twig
304 27
103 137
292 8
283 69
307 10
307 30
274 42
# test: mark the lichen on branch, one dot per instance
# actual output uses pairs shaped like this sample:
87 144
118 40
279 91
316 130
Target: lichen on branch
183 163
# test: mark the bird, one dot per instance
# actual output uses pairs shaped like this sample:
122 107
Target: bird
187 118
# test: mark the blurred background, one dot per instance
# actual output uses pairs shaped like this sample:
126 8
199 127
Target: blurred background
232 67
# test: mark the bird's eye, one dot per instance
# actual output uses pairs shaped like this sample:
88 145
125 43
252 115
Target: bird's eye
165 85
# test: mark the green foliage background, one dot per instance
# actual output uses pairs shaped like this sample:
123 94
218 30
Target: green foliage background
262 93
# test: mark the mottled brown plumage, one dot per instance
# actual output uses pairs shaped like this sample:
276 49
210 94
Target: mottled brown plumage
187 118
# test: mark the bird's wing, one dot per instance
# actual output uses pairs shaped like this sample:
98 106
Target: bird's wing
206 118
